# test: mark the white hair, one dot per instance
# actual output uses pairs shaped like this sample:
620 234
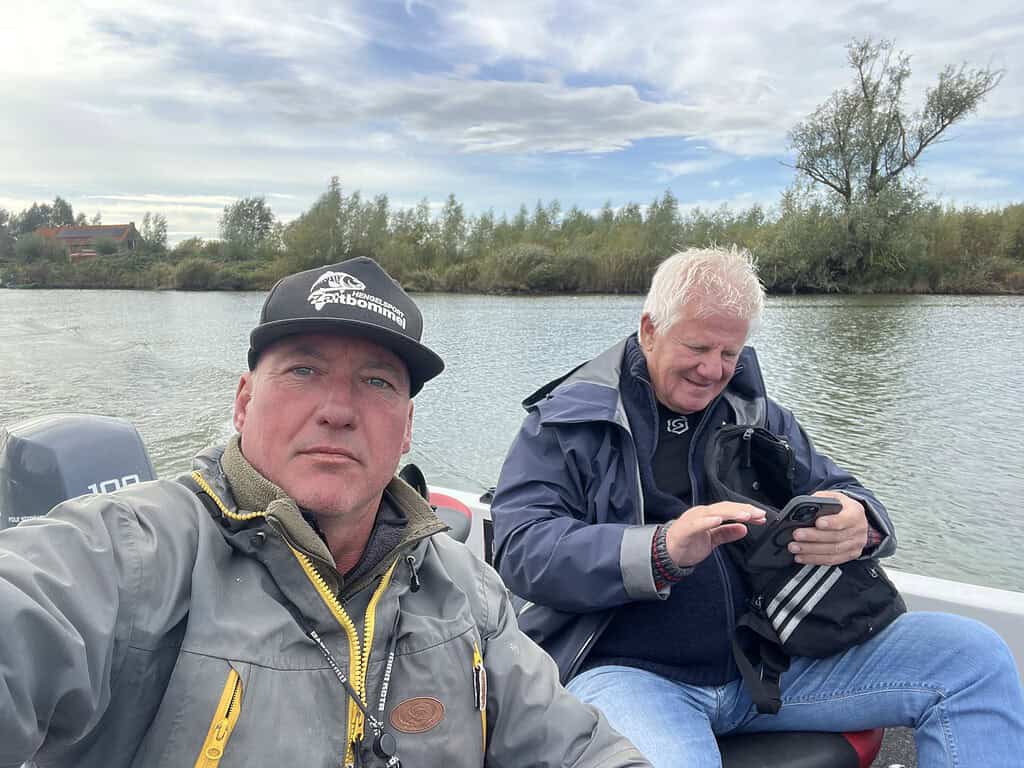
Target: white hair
715 281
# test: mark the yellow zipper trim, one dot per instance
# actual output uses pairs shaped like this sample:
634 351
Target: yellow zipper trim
480 683
224 718
201 482
358 653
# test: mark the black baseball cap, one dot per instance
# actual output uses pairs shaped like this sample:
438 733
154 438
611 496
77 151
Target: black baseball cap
355 297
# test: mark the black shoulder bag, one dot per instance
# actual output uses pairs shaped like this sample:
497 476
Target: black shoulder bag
798 610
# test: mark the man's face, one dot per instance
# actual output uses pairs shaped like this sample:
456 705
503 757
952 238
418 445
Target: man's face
691 361
326 418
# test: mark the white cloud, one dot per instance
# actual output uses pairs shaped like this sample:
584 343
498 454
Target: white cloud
147 105
777 59
202 201
968 185
692 167
961 179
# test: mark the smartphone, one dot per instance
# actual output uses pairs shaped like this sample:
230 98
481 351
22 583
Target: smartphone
772 549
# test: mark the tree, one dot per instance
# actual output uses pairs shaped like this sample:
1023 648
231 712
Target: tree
154 230
35 248
481 235
6 238
662 225
862 138
247 222
31 219
105 246
61 213
453 229
316 237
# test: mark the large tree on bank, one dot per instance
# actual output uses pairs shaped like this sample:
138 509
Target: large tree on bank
863 137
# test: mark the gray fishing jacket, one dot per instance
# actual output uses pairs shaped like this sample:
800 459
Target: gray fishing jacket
142 630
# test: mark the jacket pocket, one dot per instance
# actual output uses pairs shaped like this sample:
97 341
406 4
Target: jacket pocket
437 702
225 717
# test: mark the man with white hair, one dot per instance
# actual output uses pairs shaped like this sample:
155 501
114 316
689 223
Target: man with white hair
606 523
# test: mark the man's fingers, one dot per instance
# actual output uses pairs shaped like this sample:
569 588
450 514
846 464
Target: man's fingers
728 533
834 553
823 547
818 536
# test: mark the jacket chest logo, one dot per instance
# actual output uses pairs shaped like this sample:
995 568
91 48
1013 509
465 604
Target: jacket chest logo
677 426
417 715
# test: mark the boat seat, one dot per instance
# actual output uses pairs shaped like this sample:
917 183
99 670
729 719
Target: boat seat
452 512
800 749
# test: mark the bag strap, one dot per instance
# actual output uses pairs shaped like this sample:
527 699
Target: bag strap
761 664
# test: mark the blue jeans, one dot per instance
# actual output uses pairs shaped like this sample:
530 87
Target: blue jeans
952 680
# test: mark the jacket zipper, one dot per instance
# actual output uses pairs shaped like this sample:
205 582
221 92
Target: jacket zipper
585 648
723 571
224 719
358 653
480 689
587 644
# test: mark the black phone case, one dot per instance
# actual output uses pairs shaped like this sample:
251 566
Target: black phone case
801 512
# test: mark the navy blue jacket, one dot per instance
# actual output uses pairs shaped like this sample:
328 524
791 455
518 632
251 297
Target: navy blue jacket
570 536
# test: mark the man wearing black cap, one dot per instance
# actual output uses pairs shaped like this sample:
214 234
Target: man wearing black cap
289 603
325 409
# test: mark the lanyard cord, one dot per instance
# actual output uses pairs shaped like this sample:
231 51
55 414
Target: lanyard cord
392 642
384 744
313 635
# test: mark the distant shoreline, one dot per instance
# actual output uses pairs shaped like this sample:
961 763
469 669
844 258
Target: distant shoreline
529 294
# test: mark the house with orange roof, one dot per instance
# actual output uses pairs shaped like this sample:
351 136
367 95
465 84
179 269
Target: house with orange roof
80 241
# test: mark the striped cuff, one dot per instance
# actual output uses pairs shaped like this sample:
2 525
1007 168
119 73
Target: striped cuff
666 572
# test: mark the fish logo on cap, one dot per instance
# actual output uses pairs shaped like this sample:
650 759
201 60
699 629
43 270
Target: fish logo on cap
330 285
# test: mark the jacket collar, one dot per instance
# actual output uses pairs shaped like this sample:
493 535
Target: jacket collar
591 392
245 490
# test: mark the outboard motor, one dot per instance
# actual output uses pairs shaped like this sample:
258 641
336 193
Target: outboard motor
45 460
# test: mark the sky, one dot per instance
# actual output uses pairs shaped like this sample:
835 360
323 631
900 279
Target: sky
175 108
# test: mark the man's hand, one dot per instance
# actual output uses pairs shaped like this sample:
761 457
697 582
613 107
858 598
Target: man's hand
694 534
834 539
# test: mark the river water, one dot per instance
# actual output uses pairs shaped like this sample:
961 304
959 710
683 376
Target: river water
919 396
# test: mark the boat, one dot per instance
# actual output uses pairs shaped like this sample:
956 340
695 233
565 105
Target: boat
50 458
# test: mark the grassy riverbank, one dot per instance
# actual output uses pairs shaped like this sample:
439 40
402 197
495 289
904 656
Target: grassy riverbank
805 244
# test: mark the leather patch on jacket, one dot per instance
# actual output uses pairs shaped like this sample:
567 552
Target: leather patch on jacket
417 715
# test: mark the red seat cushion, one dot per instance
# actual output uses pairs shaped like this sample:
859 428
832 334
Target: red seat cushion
801 749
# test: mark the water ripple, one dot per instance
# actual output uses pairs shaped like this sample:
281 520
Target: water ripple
918 396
